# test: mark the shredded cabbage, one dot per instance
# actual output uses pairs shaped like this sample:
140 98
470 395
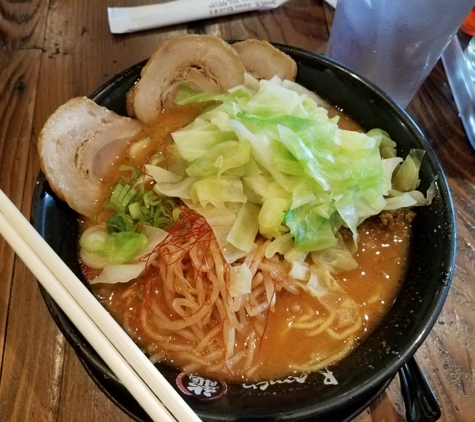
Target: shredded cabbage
240 280
114 273
300 271
309 177
406 177
245 227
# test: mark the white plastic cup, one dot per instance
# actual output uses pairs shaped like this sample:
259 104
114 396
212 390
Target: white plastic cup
394 43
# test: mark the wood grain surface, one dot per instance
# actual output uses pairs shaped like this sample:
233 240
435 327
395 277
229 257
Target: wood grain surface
52 50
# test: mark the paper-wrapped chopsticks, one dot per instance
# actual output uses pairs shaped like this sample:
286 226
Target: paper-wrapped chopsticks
119 352
139 18
332 3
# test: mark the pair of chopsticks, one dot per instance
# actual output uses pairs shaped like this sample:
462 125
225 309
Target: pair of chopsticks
151 390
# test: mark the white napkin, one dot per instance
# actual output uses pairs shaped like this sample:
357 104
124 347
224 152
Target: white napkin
332 2
138 18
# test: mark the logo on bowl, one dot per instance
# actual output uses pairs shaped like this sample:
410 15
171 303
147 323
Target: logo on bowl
199 387
209 389
263 385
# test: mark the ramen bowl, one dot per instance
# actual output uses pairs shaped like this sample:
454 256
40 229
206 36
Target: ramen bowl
343 390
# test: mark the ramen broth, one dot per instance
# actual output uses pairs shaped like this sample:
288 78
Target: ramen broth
374 285
281 349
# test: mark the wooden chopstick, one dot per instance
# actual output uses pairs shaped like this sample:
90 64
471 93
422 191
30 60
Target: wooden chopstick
116 348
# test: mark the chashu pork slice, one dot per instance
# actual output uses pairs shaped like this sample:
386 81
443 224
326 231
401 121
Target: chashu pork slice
77 145
204 62
263 61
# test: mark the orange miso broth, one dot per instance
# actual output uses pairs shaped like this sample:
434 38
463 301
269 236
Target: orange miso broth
283 350
296 330
374 285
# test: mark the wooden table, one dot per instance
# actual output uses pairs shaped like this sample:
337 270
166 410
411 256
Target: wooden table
52 50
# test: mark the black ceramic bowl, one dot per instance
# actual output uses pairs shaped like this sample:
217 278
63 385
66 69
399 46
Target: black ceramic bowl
362 375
